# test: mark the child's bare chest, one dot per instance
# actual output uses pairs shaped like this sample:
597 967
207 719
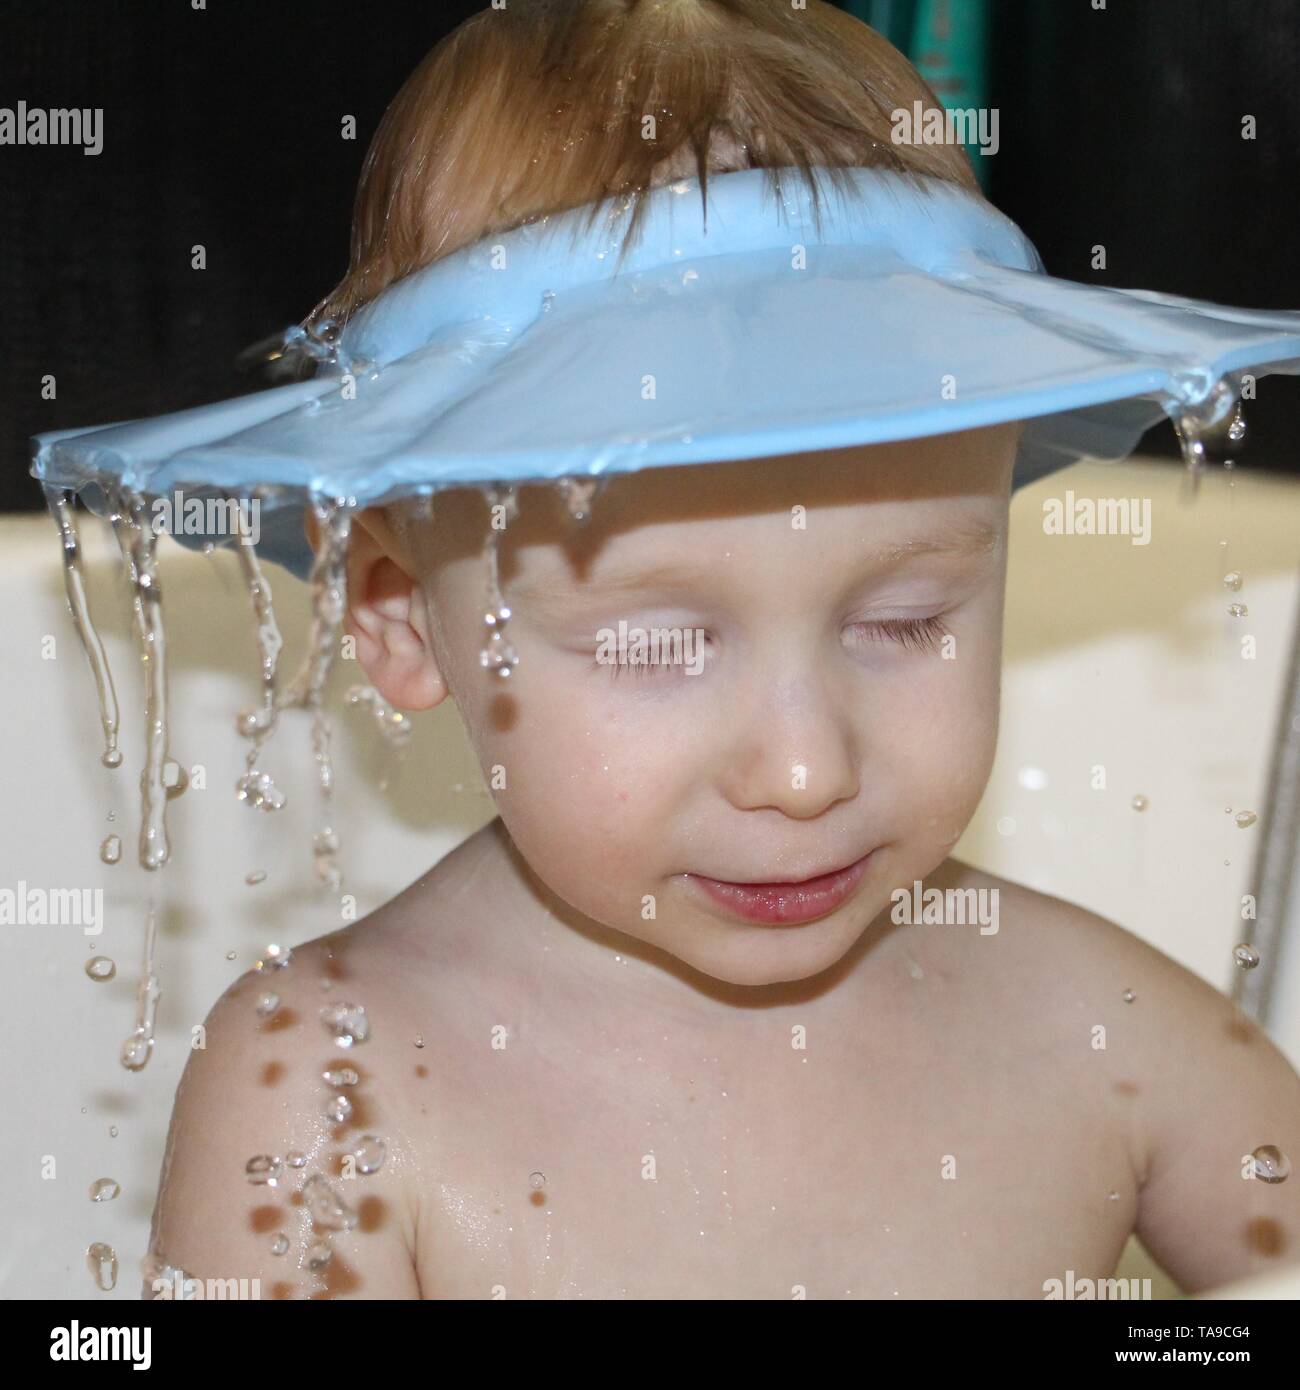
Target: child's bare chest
808 1179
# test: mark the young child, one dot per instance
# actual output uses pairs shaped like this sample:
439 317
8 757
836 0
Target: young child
658 1031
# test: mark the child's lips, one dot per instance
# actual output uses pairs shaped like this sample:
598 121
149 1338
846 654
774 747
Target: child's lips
785 904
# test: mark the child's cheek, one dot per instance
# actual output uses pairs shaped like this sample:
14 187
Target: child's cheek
952 750
585 775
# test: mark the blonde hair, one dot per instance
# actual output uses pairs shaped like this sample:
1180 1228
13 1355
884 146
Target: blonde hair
543 106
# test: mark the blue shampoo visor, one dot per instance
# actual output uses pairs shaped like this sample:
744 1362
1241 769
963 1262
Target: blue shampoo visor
777 324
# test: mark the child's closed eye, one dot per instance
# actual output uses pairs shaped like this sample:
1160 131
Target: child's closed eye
915 634
912 634
670 659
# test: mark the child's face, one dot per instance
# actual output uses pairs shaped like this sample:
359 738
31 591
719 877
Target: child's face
830 719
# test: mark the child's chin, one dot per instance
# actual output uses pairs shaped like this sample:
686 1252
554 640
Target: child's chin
756 956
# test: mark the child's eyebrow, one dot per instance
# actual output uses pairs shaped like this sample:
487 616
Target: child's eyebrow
973 538
958 538
666 578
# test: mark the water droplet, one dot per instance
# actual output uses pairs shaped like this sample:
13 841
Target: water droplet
263 1170
102 1261
318 1254
112 1131
250 723
136 1051
497 655
1238 610
111 849
327 1208
340 1076
419 1041
100 968
255 877
1246 956
138 543
61 509
1237 429
1271 1164
1112 1197
138 1047
394 727
103 1190
1245 819
267 1004
1232 580
537 1181
324 848
370 1153
230 955
275 958
1128 996
307 689
295 1159
338 1110
1140 803
259 791
347 1023
280 1244
179 1285
579 495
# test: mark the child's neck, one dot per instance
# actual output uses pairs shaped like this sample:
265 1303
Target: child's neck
587 960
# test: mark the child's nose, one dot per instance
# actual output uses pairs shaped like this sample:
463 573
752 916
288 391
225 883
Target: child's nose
794 749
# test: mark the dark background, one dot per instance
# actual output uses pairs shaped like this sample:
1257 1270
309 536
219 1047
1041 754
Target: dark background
222 127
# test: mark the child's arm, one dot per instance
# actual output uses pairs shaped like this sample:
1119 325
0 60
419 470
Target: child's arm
1216 1089
256 1088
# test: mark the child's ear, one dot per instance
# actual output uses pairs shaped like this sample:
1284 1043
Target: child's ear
389 619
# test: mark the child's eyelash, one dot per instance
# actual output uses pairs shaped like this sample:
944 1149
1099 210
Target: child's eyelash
914 634
638 668
917 634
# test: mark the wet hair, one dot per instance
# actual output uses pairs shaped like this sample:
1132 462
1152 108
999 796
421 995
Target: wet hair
542 106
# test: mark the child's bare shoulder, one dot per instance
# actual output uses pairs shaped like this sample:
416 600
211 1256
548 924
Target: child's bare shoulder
267 1084
1067 947
1202 1086
1062 975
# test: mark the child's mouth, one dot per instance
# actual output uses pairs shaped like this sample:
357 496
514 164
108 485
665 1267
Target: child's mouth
785 904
